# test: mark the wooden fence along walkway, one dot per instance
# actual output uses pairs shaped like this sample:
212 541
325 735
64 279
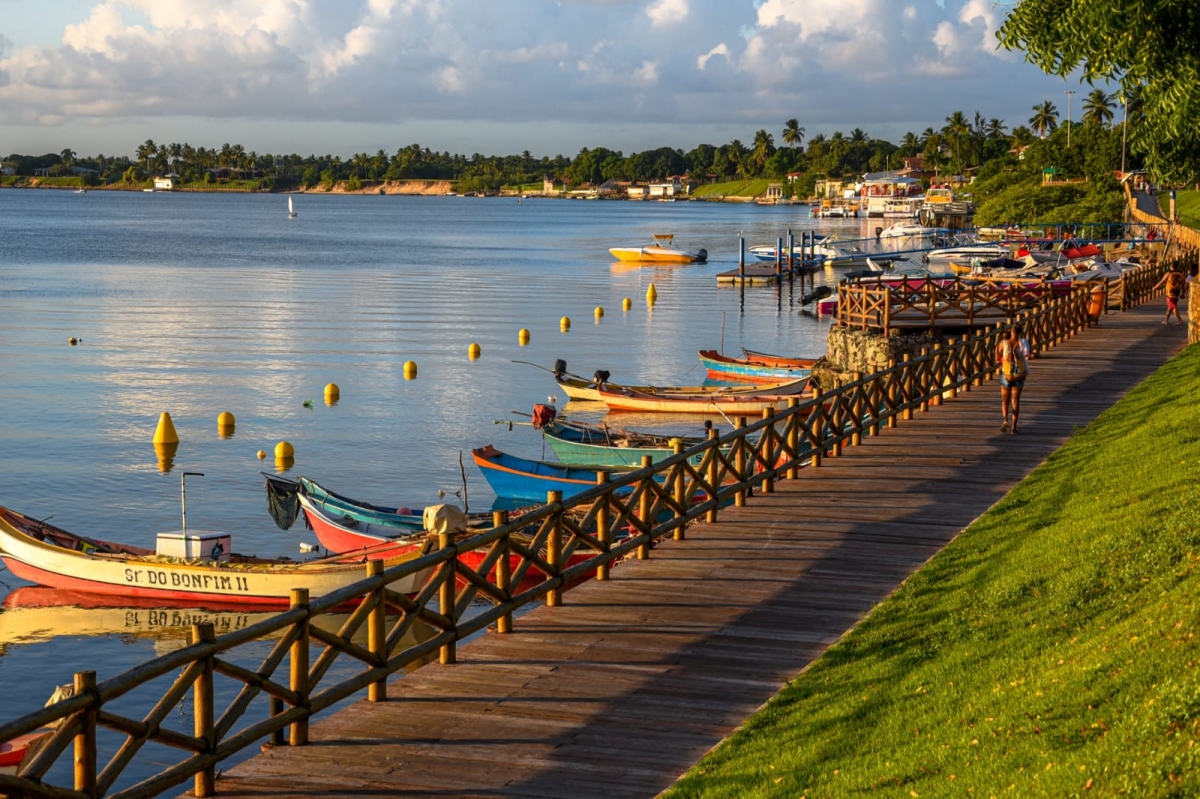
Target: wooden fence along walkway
646 668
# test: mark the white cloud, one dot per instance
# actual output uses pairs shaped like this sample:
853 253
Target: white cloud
664 12
585 62
721 49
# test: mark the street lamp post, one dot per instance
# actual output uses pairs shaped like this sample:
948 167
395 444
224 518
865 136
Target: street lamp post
1069 93
1124 128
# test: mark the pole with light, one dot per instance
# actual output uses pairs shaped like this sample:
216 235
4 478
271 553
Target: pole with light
1069 93
1124 128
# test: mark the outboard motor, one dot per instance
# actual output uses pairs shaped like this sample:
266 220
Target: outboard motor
702 256
560 367
819 293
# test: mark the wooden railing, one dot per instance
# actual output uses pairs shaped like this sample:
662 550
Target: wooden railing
884 303
622 517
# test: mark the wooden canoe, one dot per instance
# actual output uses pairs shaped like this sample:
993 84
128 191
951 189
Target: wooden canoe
758 368
601 446
338 536
47 555
740 405
578 388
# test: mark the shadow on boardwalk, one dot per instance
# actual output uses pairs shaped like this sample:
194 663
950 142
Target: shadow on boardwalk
631 682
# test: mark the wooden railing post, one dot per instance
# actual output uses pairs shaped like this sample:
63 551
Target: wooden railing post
713 471
739 461
906 371
793 438
680 491
554 547
768 450
891 394
204 781
376 634
602 522
644 509
856 409
299 666
926 364
503 570
85 741
448 654
275 708
938 370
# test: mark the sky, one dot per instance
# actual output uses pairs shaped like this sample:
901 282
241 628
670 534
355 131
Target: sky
497 76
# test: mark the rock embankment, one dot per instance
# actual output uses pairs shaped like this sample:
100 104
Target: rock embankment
426 187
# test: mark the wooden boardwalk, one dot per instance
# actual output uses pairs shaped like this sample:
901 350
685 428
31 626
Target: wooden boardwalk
630 682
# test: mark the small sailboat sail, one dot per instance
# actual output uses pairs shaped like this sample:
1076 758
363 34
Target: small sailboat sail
291 210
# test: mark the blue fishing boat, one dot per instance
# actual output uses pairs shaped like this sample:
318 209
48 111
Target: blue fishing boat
755 367
518 478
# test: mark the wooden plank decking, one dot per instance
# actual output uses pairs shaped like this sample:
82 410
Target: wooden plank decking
632 681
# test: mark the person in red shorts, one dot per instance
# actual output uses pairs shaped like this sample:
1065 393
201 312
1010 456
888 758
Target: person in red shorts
1174 281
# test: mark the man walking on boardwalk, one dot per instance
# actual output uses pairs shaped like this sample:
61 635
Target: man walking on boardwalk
1174 280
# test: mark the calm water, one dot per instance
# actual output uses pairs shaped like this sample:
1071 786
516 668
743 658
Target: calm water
197 304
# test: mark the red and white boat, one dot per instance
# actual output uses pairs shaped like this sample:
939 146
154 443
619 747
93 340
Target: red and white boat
349 536
47 555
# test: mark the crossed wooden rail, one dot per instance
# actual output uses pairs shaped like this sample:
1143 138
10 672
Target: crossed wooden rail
623 516
887 302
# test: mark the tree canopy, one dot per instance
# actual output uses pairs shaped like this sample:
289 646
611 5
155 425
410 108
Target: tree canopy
1151 47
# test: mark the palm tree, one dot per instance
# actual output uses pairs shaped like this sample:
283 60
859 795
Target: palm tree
764 147
1097 108
1044 119
926 135
1022 135
176 151
858 136
68 156
911 142
146 151
996 129
957 125
735 153
793 134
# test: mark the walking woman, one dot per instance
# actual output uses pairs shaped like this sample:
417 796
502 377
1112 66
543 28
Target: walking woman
1013 354
1174 280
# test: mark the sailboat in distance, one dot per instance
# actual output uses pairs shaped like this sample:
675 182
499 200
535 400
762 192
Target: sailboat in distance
291 210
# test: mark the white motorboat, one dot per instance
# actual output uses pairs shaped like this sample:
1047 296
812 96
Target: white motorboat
907 229
965 254
662 250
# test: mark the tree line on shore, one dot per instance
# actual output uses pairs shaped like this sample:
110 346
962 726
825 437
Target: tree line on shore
961 143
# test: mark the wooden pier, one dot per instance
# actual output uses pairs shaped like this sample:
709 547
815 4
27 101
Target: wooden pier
631 681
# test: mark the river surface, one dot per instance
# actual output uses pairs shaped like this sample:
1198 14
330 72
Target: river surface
196 304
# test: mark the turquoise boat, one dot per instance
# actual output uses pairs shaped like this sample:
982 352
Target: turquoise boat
600 446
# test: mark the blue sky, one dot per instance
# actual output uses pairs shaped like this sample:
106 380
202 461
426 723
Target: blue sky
495 76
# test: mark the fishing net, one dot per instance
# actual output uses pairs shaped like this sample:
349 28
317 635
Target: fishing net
283 502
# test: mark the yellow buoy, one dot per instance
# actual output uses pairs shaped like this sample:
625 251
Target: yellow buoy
165 433
225 419
473 351
651 294
523 336
261 455
332 391
626 304
565 323
599 312
72 341
410 370
284 450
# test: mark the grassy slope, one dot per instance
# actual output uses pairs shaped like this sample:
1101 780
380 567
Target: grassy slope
1048 651
737 188
1187 205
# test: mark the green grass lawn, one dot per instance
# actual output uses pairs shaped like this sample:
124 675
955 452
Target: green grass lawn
1187 205
737 188
1048 651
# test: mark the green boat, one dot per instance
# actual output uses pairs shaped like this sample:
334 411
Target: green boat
599 445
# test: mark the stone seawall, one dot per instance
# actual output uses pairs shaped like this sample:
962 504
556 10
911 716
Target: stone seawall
851 351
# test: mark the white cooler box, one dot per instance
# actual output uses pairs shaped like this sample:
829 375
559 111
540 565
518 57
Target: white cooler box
210 546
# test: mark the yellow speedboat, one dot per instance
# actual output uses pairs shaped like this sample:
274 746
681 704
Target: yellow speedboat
662 250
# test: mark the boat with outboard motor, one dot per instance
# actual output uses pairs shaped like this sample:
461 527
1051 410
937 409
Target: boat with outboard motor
661 250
